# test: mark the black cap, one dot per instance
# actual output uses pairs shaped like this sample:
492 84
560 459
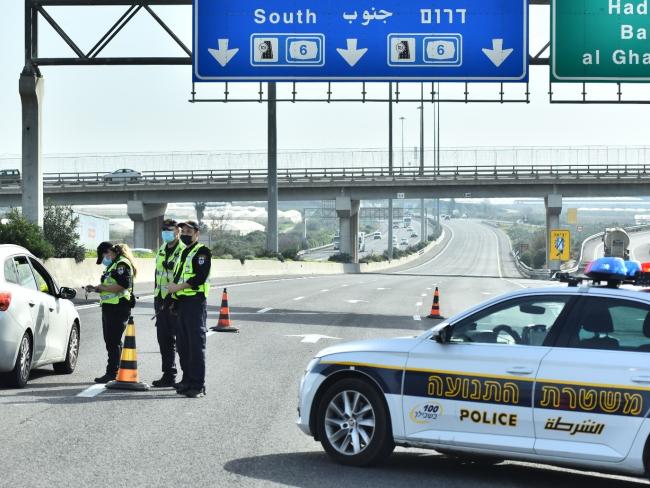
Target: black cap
169 224
191 224
101 249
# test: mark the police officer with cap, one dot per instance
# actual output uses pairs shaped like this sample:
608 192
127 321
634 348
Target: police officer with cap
190 289
166 319
116 298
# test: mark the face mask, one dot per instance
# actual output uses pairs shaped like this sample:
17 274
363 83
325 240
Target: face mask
187 240
168 236
107 261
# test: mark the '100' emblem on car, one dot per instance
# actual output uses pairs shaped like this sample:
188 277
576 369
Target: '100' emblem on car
458 388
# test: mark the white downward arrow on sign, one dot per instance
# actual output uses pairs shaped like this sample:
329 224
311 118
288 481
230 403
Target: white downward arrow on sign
223 55
352 55
313 338
497 54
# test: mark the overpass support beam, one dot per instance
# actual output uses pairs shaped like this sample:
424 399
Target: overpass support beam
553 205
347 211
30 88
147 221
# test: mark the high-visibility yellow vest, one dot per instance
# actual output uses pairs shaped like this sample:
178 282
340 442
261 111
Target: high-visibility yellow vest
164 275
188 273
107 297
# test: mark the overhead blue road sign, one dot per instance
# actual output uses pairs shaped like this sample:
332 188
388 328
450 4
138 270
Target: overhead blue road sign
360 40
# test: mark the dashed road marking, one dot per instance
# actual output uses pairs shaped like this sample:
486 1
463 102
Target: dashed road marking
264 310
91 392
297 299
417 317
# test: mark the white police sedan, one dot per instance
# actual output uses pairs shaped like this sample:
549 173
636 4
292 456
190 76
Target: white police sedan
553 375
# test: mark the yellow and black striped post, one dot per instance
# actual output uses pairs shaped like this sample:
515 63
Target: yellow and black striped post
127 376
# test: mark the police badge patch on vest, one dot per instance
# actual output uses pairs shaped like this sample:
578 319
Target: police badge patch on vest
120 270
201 260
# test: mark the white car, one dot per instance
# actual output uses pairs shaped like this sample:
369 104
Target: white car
38 323
123 176
553 375
404 242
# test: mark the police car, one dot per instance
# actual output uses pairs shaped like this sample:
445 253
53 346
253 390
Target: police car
558 375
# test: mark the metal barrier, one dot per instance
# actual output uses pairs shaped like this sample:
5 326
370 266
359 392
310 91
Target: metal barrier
309 175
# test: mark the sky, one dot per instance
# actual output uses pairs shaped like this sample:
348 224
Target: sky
145 109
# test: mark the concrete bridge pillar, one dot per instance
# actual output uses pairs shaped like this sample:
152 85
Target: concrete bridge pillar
553 210
30 88
147 221
347 211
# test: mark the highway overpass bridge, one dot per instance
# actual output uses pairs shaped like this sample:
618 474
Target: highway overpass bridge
147 196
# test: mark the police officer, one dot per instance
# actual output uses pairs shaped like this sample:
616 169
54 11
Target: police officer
166 320
190 290
115 296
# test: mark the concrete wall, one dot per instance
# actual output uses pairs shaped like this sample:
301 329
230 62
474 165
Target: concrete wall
76 275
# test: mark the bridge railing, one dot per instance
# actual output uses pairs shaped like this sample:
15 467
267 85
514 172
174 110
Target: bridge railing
519 172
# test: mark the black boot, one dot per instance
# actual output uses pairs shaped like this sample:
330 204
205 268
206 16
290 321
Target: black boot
167 381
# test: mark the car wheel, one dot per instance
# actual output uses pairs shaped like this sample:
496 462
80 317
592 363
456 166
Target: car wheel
20 374
68 366
353 423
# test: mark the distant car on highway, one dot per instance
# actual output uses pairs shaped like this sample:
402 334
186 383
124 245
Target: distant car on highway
123 176
410 229
447 217
404 242
377 236
142 250
553 375
414 234
395 226
38 323
9 177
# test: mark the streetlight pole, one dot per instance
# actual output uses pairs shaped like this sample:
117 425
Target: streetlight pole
421 129
402 119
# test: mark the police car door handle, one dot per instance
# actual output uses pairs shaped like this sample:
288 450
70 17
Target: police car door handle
32 304
641 379
521 370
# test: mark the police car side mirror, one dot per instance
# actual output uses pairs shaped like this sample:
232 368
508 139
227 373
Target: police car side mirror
67 293
442 335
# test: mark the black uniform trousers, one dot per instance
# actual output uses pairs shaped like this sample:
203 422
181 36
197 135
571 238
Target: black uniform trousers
166 328
191 339
114 320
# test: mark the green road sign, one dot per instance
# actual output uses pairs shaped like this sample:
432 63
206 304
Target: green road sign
600 40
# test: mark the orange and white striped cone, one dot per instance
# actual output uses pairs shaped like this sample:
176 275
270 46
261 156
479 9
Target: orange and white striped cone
435 306
127 375
224 324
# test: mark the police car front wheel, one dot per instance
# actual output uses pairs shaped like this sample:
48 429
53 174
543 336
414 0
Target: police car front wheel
353 423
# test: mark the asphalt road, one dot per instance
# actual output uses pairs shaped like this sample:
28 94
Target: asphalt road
375 246
242 433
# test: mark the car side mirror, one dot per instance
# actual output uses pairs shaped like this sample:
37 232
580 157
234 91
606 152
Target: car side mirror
67 293
442 335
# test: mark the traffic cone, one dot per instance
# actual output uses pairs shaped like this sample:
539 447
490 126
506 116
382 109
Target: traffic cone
224 324
435 306
127 376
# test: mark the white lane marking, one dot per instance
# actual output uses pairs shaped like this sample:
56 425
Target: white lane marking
417 317
356 301
344 286
598 246
264 310
312 338
210 333
419 304
486 293
383 289
437 256
324 291
496 238
423 295
297 299
91 392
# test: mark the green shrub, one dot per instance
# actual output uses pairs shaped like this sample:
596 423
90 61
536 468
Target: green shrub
341 257
18 230
60 230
